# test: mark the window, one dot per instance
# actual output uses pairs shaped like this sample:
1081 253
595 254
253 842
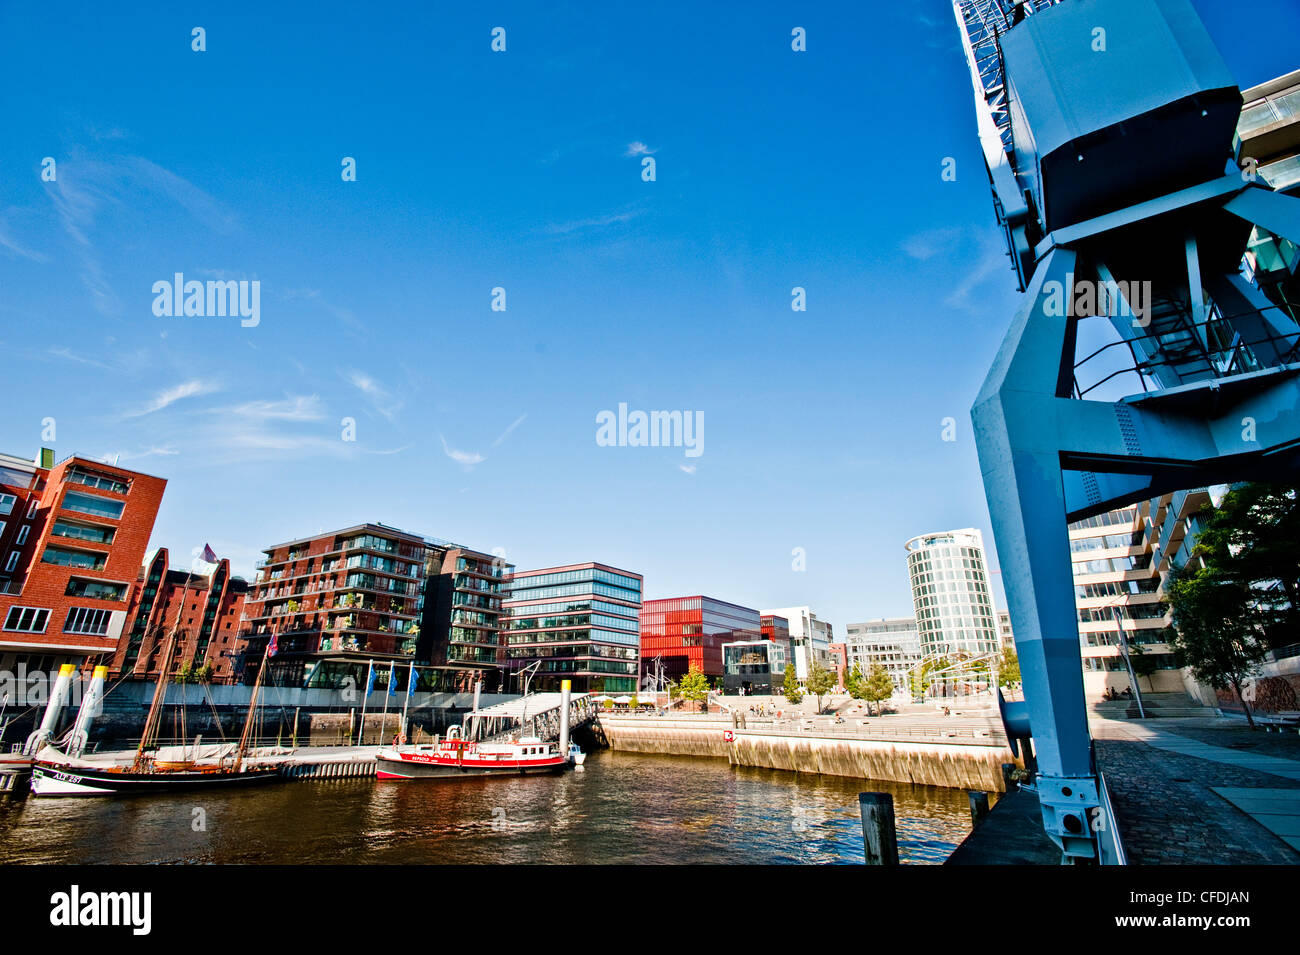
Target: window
22 534
27 619
87 620
95 589
85 532
90 504
31 508
73 558
12 562
102 481
7 503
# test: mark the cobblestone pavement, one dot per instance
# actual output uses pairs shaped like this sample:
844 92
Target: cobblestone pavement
1168 814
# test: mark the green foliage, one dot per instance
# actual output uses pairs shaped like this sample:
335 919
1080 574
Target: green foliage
853 683
877 687
791 689
1143 664
1215 629
1009 668
1253 540
821 682
921 678
694 686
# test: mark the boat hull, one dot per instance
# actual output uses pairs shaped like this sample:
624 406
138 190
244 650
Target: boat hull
52 779
390 767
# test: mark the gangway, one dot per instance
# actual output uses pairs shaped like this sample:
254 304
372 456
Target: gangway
537 713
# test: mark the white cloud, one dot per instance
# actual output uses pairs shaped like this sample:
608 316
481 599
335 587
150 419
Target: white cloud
506 433
380 399
639 148
466 459
172 395
292 408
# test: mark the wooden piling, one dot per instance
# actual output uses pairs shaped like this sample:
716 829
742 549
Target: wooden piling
979 806
879 838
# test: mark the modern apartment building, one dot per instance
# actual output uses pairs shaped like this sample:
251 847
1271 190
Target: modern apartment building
72 537
681 631
951 595
462 629
1121 560
206 610
323 606
1006 636
578 622
810 638
891 642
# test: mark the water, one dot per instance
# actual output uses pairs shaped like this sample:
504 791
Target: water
618 808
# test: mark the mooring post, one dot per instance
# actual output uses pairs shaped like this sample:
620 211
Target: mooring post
979 806
878 836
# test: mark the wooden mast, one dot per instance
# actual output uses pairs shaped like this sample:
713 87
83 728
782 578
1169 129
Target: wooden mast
164 679
248 720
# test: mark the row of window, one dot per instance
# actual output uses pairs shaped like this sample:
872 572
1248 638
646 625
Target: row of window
85 620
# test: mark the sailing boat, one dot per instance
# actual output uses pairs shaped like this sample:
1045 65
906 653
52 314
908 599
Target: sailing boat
148 774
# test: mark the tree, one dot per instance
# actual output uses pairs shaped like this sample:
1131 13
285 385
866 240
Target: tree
820 682
1009 668
877 687
694 686
1253 539
922 679
1215 629
853 683
1143 663
791 688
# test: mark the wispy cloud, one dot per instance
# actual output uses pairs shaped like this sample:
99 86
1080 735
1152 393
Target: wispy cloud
639 148
379 397
292 408
170 396
688 468
506 433
466 459
592 222
153 452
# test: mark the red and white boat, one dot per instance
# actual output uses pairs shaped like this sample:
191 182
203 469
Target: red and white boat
454 756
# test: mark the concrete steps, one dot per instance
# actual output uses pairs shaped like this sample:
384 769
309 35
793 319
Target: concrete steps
1157 705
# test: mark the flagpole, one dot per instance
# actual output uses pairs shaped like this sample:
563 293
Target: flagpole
365 698
388 691
410 685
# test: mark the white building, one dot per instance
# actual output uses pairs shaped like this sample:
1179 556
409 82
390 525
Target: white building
892 642
810 638
951 595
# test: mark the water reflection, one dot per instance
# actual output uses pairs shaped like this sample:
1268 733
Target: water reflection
619 808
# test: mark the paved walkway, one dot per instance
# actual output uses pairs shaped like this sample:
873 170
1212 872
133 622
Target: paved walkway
1183 801
1171 742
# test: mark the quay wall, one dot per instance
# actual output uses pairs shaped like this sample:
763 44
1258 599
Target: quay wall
955 765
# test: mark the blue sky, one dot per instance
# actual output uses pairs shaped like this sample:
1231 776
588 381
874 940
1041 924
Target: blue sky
522 170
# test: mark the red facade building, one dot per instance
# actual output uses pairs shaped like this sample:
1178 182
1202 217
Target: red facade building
204 609
72 537
686 631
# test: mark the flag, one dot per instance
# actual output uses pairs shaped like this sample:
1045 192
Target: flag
209 555
273 647
205 560
370 680
410 680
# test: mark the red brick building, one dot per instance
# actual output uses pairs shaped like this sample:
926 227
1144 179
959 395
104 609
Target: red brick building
206 609
335 599
72 537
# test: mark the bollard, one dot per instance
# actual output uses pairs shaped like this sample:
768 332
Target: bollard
979 806
879 839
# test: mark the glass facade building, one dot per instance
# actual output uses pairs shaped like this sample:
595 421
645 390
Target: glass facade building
681 631
893 642
753 667
951 596
578 622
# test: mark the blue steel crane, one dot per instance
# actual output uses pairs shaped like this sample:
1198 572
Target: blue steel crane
1107 128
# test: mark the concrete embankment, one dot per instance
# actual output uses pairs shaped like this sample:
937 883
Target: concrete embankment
976 764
